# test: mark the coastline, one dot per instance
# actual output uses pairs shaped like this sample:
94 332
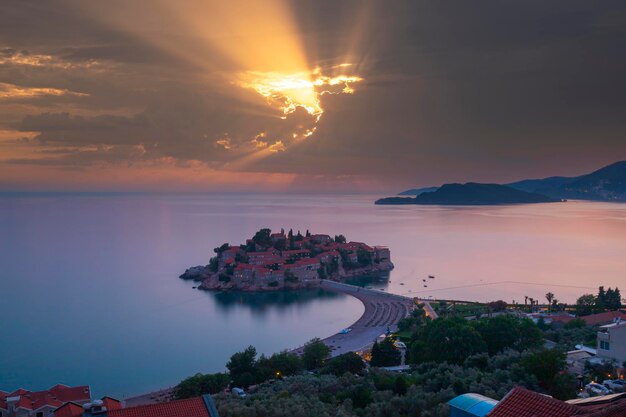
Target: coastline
382 311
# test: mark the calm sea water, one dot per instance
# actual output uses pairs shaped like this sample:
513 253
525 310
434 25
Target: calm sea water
89 290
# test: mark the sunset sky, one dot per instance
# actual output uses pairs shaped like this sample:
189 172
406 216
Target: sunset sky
310 95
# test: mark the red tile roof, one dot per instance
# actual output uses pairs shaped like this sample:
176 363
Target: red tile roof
520 402
307 261
64 393
17 392
192 407
111 403
54 397
611 410
69 410
603 318
241 267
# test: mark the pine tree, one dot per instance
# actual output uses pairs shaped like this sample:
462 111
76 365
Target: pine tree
376 359
601 300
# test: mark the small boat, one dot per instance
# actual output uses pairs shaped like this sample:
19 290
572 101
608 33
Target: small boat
194 287
425 286
402 283
424 280
431 276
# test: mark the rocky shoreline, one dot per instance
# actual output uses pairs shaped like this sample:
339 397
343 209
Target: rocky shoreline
210 281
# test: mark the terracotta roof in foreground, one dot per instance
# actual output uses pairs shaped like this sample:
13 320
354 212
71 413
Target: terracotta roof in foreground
69 410
520 402
192 407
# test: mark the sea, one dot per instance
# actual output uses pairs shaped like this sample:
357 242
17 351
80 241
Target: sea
90 294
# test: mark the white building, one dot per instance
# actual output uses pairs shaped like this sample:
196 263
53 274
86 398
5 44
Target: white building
612 342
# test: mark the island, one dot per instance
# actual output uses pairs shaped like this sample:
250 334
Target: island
278 261
471 194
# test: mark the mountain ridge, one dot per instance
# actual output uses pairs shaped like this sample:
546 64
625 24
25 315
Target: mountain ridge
470 193
605 184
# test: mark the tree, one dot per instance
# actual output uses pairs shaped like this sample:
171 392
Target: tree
213 264
497 306
321 273
499 333
262 238
242 367
549 297
291 240
529 335
564 386
585 305
446 340
200 384
347 362
221 249
386 354
613 299
340 239
576 323
280 244
278 365
364 258
545 365
315 353
400 386
601 300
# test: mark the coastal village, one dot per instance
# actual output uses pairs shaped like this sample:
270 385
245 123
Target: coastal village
272 261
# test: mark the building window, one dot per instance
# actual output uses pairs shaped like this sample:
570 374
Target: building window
604 345
39 413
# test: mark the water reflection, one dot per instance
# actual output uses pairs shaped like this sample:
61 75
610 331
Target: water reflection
262 302
379 280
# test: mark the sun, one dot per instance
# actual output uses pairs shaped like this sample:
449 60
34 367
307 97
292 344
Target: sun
287 92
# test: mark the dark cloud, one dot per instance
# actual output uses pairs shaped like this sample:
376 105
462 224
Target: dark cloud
459 90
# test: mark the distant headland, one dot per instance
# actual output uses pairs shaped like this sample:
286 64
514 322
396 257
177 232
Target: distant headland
605 184
471 194
277 261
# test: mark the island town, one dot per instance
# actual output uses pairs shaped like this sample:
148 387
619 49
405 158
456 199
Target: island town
275 261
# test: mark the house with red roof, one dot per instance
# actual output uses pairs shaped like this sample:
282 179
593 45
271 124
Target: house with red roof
190 407
328 257
244 272
264 258
607 317
25 403
109 407
305 269
382 254
520 402
295 254
597 319
3 404
275 237
321 239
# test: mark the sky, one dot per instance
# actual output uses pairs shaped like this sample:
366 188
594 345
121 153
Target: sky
306 96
